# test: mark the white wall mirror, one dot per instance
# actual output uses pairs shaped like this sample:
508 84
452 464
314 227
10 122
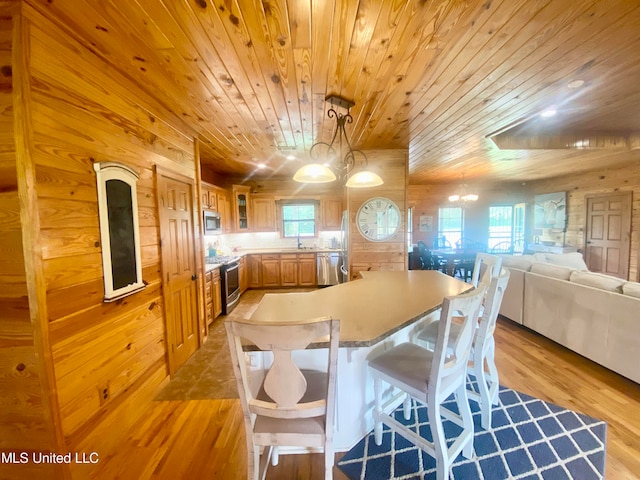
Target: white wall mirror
119 229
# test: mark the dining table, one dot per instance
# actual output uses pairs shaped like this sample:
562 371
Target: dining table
455 257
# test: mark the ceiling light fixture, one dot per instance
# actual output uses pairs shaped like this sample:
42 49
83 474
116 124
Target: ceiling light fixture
549 112
575 83
463 194
337 159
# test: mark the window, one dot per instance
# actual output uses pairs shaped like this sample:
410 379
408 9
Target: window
500 225
299 219
506 224
449 226
119 231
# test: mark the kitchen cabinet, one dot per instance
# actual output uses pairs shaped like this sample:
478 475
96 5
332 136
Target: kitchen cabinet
242 275
241 208
331 213
289 270
208 296
281 270
271 271
263 213
209 196
307 270
217 294
254 266
224 209
213 295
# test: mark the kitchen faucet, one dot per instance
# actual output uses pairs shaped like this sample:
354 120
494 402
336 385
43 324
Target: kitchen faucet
299 244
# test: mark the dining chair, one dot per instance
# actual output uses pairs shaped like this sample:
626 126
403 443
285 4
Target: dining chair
285 405
427 259
486 266
430 377
505 248
482 362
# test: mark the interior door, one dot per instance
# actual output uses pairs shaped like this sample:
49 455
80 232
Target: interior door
608 233
175 201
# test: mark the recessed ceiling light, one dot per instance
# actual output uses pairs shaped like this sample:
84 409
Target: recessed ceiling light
575 83
549 112
291 157
261 165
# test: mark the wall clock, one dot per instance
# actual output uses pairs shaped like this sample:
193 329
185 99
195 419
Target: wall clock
378 219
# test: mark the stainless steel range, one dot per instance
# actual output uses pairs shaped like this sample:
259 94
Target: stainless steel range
229 281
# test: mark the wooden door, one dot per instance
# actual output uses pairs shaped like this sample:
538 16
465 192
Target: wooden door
608 233
178 268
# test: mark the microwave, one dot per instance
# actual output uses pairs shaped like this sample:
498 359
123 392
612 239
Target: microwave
212 222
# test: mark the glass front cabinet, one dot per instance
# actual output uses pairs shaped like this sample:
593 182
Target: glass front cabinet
241 208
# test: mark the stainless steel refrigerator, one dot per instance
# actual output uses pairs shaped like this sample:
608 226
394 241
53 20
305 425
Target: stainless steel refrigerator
344 248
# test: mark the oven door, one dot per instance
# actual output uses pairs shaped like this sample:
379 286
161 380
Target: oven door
231 287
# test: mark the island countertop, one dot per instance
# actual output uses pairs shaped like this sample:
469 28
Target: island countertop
371 308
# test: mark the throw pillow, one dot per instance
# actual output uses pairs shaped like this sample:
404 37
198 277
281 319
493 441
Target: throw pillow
598 280
572 260
632 289
549 270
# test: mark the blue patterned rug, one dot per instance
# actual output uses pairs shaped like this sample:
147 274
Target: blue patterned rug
529 439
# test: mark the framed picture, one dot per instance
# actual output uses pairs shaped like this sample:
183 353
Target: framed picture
426 223
551 211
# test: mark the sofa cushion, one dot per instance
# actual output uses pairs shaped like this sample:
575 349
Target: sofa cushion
549 270
516 261
632 289
598 280
572 260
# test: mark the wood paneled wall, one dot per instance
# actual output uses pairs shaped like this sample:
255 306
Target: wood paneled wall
28 416
606 180
390 255
85 111
74 109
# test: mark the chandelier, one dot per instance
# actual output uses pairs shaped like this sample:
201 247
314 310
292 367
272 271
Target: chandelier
463 194
337 159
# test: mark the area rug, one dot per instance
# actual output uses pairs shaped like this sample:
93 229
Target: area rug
529 439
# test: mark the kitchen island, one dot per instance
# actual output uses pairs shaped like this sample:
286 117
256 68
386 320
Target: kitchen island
376 312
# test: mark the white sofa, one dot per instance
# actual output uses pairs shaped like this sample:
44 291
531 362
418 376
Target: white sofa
595 315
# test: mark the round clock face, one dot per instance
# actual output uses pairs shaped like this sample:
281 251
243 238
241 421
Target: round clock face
378 219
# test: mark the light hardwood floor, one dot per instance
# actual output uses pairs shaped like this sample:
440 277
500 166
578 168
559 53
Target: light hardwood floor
205 438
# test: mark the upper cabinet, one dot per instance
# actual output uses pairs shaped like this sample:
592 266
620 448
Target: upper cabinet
241 207
331 213
263 213
224 209
217 199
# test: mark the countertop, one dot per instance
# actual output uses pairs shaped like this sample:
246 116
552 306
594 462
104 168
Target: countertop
371 308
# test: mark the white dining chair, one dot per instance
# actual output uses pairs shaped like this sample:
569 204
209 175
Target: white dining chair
430 377
486 267
290 406
482 362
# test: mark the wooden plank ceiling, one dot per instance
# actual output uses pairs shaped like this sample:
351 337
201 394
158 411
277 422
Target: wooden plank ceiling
448 80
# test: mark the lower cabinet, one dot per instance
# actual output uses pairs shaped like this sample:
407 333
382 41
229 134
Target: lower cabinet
217 294
307 270
271 271
243 275
281 270
289 270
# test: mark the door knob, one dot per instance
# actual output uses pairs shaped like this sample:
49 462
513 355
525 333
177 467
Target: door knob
194 277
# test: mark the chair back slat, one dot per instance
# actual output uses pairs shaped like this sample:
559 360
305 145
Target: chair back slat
464 308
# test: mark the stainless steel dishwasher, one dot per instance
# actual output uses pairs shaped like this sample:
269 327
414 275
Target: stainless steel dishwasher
328 268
